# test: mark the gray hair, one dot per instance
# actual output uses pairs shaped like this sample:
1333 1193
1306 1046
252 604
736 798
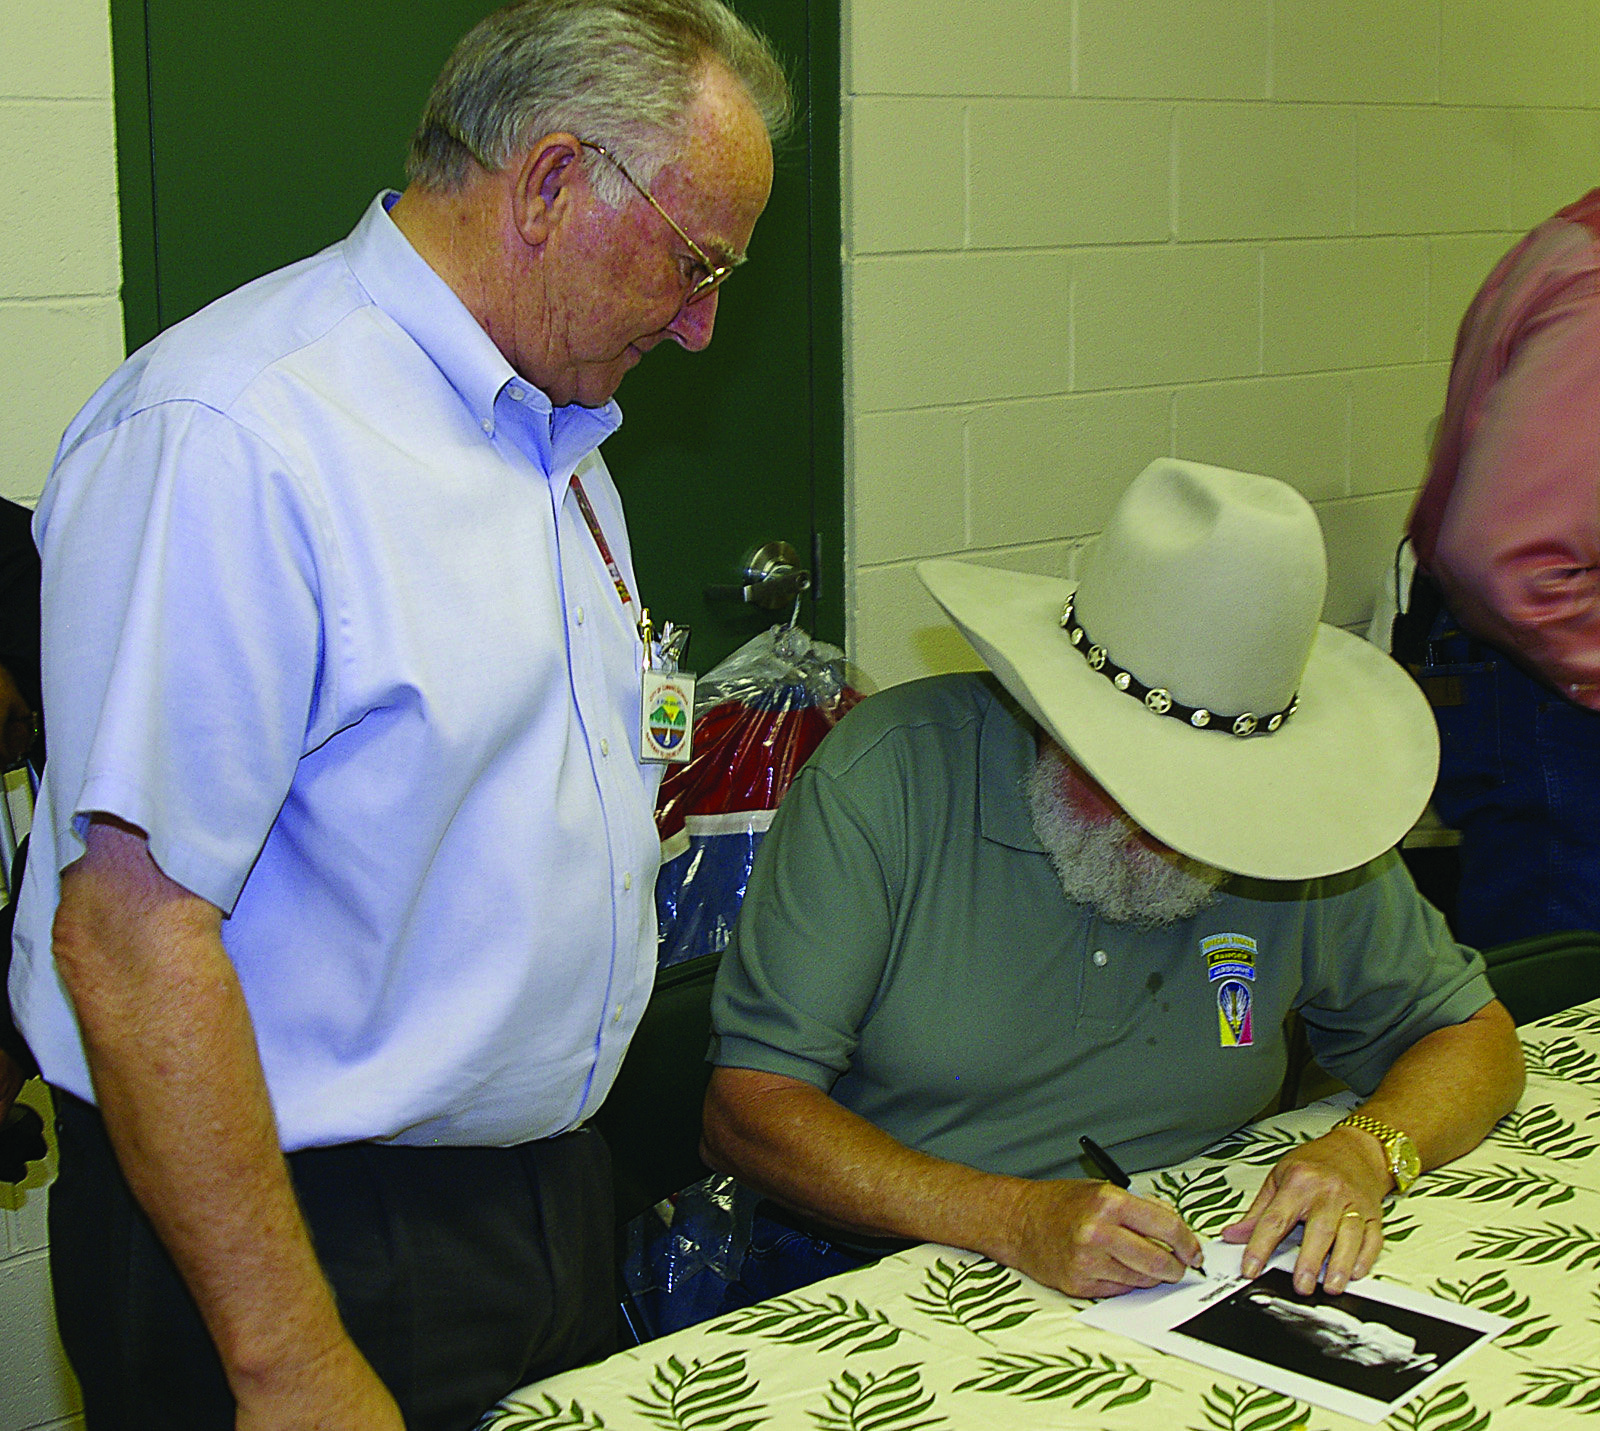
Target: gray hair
621 73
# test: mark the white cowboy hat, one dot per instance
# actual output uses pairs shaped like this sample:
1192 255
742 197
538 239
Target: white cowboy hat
1199 605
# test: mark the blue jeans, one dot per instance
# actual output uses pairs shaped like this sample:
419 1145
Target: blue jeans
1519 776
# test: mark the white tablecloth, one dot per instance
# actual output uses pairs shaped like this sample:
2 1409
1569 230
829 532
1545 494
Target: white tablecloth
936 1338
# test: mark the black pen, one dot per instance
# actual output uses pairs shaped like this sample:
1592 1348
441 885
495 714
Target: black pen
1111 1170
1104 1163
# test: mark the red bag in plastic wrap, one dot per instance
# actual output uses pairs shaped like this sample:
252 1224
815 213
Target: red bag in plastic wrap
758 717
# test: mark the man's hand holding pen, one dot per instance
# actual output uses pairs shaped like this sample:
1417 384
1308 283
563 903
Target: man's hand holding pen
1093 1239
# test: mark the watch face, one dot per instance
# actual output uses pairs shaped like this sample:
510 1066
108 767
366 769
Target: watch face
1406 1164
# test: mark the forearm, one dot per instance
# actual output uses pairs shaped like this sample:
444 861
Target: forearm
179 1083
1446 1091
795 1144
1450 1087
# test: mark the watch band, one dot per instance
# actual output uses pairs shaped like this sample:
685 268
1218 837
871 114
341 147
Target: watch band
1398 1149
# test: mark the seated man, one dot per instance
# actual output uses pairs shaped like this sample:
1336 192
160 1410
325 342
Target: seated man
976 932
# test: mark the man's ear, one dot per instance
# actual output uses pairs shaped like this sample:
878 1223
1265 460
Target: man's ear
542 186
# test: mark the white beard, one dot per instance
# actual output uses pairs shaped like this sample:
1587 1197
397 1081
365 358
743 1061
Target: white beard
1102 864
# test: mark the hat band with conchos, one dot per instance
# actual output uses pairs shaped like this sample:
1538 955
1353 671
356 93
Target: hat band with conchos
1160 700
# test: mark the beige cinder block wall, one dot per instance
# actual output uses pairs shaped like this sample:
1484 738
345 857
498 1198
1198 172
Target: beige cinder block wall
1084 233
60 268
60 335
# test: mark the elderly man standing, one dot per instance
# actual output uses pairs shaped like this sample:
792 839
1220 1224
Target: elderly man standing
345 844
988 922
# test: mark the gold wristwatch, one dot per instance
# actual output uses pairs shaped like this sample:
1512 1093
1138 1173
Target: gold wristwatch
1404 1162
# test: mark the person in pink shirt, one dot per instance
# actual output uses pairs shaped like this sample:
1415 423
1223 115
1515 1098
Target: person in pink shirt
1507 537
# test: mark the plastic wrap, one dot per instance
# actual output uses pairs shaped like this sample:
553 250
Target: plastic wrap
758 717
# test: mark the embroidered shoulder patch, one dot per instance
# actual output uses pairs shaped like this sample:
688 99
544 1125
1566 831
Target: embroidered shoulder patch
1231 966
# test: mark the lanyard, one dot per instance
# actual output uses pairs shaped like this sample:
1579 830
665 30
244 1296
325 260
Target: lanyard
600 541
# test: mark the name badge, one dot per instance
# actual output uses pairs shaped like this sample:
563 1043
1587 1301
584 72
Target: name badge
666 718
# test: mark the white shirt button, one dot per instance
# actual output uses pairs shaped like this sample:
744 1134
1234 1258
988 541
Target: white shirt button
1099 958
605 746
580 616
488 426
627 881
616 1014
517 394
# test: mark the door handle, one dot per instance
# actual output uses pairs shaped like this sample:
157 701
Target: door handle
773 578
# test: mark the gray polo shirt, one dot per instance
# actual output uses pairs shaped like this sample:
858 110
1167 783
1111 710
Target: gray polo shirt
906 946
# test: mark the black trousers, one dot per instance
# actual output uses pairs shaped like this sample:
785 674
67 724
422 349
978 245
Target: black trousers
461 1273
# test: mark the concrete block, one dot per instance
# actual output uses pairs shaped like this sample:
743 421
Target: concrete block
1294 429
1344 303
1360 534
1356 52
1457 266
952 47
1172 313
908 175
58 354
900 633
1392 416
1174 49
1264 171
36 1384
934 330
1049 468
1544 55
1052 172
909 484
60 50
58 219
1554 161
1429 170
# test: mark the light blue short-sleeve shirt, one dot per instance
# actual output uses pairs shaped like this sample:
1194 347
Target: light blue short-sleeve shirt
322 617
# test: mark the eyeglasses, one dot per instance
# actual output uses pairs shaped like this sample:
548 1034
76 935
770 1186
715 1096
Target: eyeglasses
711 273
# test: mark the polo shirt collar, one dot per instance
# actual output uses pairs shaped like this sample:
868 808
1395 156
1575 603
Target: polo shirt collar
1006 752
401 282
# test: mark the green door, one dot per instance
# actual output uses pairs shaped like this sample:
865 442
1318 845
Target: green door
250 135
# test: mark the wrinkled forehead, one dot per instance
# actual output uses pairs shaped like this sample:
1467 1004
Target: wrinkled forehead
722 175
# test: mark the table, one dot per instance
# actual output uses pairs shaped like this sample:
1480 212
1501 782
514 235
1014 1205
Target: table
937 1338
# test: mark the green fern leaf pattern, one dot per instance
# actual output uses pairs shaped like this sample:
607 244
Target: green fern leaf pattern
1575 1388
1079 1374
1447 1409
702 1396
1261 1147
1496 1184
1564 1058
1397 1224
1540 1129
1574 1247
1204 1199
981 1296
1493 1293
1250 1408
547 1415
829 1323
1577 1018
889 1401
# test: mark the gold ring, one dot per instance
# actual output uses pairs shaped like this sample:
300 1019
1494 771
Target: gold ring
1350 1212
